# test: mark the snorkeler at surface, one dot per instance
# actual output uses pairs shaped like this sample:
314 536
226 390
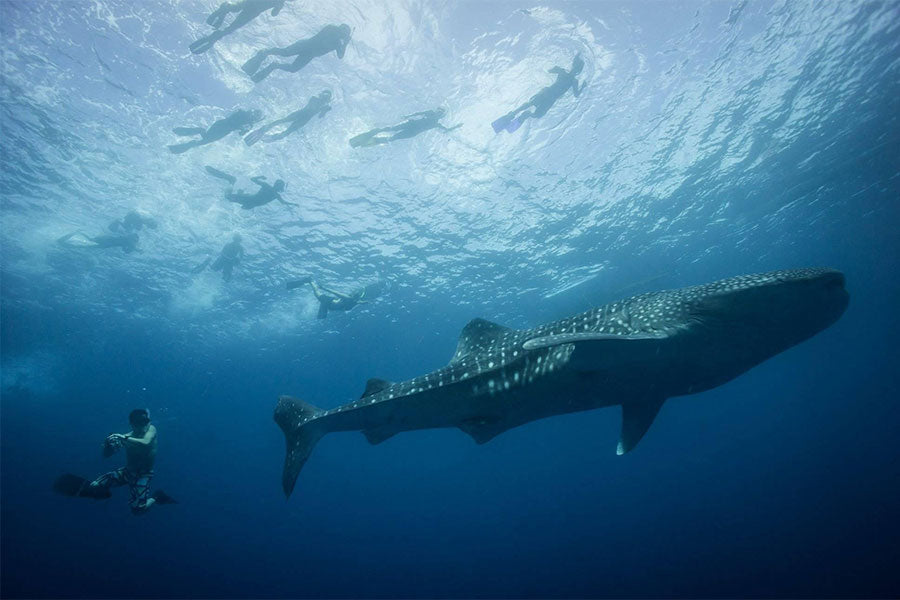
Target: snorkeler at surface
264 195
247 11
140 454
544 99
331 37
239 120
133 221
330 299
126 241
415 124
317 105
230 255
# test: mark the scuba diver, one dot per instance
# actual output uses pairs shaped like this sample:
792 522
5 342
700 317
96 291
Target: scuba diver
126 241
133 221
331 37
140 453
415 124
544 99
317 105
247 11
240 120
333 300
230 255
264 195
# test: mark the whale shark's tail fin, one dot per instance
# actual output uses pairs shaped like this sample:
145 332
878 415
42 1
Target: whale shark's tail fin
297 420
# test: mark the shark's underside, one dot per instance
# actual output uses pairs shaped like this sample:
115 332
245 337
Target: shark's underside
635 353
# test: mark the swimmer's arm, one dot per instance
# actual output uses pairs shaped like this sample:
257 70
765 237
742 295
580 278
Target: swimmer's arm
277 9
258 180
576 89
146 440
446 129
342 48
283 201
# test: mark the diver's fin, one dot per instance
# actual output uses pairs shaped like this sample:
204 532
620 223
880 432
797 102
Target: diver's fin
75 486
254 136
201 266
204 44
363 139
501 123
221 174
291 285
181 148
636 420
252 66
163 498
595 351
478 335
297 420
69 485
513 125
373 386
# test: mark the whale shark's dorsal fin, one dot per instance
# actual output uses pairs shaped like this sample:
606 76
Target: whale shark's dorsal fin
478 335
636 420
373 386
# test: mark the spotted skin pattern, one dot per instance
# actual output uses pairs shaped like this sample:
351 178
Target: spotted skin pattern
501 378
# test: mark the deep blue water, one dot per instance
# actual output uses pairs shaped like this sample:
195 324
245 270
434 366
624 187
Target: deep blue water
712 139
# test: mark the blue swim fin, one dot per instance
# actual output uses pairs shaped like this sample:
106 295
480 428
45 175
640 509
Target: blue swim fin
501 123
513 125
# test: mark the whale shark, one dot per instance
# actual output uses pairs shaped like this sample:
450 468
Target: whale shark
635 353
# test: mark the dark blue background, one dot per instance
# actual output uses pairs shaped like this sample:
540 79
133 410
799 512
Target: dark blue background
783 482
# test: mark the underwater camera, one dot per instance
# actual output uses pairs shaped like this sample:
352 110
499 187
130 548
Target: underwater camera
111 446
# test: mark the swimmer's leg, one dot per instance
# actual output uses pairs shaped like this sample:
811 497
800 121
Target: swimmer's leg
218 16
369 138
179 148
140 500
99 488
299 63
76 238
189 130
205 43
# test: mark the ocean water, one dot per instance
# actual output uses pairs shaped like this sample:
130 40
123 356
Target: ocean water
711 139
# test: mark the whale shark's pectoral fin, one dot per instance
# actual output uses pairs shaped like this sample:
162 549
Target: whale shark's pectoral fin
595 351
636 420
378 435
483 429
